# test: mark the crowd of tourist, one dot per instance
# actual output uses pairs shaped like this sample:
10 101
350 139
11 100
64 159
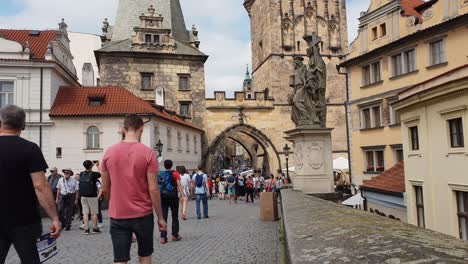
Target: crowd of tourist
128 177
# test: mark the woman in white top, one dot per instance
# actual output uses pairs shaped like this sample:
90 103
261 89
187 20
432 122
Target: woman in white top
185 181
222 188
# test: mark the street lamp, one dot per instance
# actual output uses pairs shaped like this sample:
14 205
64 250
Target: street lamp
159 148
286 150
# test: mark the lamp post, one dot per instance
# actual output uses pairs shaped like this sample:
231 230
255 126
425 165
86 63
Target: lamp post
159 148
286 150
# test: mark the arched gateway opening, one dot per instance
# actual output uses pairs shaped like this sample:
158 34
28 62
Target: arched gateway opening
262 154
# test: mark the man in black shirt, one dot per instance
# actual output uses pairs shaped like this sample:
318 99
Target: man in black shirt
23 186
89 195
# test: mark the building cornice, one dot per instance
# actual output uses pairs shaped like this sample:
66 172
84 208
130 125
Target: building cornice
379 12
408 40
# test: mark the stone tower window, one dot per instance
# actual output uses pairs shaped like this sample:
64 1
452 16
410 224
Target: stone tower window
146 81
156 38
184 82
185 109
148 38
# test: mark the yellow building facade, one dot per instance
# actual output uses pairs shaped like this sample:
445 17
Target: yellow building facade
434 118
400 43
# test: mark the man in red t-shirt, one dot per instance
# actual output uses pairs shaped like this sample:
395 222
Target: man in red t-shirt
170 189
129 179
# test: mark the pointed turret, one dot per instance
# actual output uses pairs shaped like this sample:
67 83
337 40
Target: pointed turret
247 80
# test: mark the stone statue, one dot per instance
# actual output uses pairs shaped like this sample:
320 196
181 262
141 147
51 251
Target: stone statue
309 107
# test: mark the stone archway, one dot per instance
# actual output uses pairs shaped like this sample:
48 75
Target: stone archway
248 136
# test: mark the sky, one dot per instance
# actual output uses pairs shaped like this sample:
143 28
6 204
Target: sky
223 25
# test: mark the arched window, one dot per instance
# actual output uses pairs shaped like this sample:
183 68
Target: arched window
92 138
160 94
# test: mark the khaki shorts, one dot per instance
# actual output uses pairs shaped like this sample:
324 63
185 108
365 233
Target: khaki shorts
90 205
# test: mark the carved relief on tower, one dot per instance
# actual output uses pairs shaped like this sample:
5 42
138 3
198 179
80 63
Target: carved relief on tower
287 27
334 32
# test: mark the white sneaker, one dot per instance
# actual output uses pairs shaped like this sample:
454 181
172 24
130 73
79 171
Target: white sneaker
82 227
100 225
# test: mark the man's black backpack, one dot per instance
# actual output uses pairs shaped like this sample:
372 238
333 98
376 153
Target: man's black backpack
88 186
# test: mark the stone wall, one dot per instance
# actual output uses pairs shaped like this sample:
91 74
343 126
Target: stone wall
318 231
126 72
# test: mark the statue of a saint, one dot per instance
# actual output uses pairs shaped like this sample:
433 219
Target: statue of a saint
309 106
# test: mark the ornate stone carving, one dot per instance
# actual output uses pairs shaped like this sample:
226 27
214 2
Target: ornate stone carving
309 10
428 14
309 83
286 22
410 21
316 155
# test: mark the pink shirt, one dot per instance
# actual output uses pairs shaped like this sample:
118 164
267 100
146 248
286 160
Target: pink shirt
128 165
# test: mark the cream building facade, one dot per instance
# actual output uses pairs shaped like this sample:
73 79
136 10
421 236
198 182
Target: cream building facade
434 116
33 66
400 43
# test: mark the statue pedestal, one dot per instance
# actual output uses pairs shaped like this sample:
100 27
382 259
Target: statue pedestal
314 160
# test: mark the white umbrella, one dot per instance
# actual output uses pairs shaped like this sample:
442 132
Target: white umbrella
355 200
341 164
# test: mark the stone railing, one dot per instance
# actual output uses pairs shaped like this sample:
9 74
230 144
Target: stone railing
318 231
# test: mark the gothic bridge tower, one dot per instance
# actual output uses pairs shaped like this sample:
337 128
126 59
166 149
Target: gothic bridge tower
278 29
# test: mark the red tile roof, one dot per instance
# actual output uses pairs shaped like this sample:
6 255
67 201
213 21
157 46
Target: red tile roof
38 44
391 181
117 101
415 8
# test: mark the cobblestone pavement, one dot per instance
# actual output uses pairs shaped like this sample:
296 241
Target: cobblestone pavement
232 234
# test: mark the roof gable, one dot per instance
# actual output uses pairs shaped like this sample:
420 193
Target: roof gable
37 43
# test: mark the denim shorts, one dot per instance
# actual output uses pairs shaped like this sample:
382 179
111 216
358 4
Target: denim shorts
121 231
231 191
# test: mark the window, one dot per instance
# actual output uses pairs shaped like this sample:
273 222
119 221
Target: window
185 109
383 30
395 118
410 60
371 117
375 160
374 33
58 153
169 139
371 73
462 205
397 65
92 138
156 38
184 82
404 62
195 144
6 93
414 138
418 191
456 133
187 142
399 157
146 81
366 75
147 38
375 71
96 101
437 52
179 141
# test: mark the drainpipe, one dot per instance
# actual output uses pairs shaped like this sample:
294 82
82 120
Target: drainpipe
348 142
41 107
